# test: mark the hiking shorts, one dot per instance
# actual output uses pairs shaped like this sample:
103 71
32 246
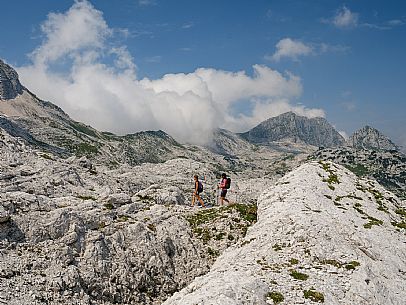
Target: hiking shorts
223 193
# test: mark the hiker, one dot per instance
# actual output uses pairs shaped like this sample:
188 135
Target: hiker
197 190
224 185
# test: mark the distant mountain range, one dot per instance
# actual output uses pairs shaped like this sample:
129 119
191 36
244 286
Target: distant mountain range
44 124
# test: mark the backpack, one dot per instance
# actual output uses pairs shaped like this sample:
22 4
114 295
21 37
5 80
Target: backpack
228 183
199 187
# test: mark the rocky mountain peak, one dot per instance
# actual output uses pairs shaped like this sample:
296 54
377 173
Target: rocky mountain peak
10 86
371 138
293 127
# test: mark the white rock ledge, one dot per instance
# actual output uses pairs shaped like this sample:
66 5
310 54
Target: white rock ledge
326 236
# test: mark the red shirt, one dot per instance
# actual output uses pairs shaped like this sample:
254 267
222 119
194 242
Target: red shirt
223 183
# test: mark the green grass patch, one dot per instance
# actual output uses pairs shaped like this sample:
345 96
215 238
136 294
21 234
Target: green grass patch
358 209
101 225
314 296
84 129
247 212
332 262
123 218
46 156
275 296
351 265
372 222
332 177
331 187
401 212
293 261
401 225
213 252
85 149
298 275
220 236
358 169
152 227
84 197
203 216
277 247
108 206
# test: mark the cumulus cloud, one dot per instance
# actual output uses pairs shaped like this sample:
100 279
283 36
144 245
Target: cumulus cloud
290 48
344 18
293 49
100 86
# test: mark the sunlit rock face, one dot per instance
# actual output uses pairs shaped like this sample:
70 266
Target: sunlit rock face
323 235
292 127
370 138
10 86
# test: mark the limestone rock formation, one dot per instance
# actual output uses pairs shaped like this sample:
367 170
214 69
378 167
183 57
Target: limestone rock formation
10 86
370 138
292 127
322 235
388 167
75 232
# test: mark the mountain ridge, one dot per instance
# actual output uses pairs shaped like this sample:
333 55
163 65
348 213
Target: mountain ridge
368 137
314 131
312 243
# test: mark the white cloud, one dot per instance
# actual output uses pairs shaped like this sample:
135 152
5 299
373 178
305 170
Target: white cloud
345 18
290 48
387 25
146 2
293 49
324 48
395 22
101 87
188 25
80 28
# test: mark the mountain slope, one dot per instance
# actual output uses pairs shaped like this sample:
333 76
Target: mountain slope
10 87
75 233
44 124
370 138
292 127
322 234
388 167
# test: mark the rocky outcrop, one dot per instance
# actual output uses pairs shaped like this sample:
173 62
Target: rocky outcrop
388 167
322 235
72 232
10 86
292 127
370 138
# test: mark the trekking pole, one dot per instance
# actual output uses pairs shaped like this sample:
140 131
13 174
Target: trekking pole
217 195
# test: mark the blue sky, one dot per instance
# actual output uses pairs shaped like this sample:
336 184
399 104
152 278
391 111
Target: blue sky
347 60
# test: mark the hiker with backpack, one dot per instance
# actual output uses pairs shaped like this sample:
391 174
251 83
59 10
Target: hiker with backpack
224 186
197 190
